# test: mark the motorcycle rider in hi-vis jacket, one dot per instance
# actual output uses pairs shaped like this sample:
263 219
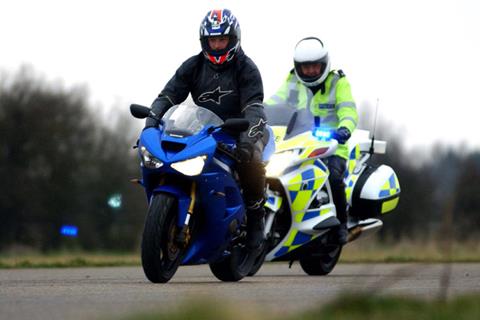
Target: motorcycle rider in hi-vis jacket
311 84
224 80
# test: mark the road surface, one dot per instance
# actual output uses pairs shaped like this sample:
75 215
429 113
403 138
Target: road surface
98 293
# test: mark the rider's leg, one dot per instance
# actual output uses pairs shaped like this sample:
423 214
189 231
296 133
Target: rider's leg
252 180
337 166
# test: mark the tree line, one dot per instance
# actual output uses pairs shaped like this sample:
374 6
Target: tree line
61 165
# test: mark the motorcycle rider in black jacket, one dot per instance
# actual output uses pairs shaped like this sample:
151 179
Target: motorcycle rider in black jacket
226 81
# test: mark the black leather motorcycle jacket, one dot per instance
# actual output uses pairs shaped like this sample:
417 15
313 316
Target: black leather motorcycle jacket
234 90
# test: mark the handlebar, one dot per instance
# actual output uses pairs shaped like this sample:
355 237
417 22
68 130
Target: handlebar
227 150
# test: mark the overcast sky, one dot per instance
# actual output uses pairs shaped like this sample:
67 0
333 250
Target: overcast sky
420 58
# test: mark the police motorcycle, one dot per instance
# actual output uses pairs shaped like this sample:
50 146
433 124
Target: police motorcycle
300 209
196 213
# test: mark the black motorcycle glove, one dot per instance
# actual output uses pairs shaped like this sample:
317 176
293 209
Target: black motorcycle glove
159 106
342 135
244 151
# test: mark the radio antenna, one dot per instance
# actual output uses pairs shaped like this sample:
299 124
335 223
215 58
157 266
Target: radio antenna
372 149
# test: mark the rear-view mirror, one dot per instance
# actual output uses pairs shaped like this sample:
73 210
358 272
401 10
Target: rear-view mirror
138 111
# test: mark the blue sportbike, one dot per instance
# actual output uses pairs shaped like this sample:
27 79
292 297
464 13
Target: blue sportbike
196 212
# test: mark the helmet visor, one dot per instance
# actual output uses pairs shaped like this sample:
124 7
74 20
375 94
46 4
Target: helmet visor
310 71
218 43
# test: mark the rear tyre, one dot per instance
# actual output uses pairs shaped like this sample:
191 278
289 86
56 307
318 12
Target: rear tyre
321 264
160 254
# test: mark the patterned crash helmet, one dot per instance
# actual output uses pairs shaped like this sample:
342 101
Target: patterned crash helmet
220 23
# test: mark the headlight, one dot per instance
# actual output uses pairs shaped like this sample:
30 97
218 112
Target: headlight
190 167
149 161
280 161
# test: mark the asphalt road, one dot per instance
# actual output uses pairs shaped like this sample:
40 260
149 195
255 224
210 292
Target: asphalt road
93 293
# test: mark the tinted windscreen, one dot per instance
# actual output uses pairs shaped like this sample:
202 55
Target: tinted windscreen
187 120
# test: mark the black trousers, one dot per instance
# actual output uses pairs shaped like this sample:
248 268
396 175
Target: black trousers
337 166
252 180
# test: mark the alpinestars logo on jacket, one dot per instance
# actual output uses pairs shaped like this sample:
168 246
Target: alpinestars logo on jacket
214 96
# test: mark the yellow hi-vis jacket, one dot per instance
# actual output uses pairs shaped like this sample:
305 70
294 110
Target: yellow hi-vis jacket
335 105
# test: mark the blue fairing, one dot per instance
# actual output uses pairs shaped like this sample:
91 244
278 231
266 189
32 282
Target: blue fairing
218 198
219 208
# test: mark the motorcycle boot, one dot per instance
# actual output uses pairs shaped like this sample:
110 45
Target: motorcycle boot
341 234
337 167
255 226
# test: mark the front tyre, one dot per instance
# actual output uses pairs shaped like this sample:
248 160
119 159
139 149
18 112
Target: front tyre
258 263
235 266
322 263
160 254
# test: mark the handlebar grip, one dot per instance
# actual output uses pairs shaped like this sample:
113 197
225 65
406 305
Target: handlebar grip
223 148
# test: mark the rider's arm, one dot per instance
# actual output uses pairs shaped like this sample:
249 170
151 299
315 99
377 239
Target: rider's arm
345 106
179 86
281 96
176 91
251 101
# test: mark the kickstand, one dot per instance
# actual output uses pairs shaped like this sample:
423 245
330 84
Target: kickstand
290 264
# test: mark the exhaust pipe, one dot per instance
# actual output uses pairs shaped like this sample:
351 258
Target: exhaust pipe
364 228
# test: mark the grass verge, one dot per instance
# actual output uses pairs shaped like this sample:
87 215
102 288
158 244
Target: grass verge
362 251
354 307
365 251
68 260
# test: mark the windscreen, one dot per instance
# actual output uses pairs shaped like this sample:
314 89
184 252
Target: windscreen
296 120
186 120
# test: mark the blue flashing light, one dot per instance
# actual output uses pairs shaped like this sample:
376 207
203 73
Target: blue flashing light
322 134
69 231
115 201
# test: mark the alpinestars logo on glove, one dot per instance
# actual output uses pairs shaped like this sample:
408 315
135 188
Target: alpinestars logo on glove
257 129
214 96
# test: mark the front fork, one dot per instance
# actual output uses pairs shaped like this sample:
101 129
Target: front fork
184 235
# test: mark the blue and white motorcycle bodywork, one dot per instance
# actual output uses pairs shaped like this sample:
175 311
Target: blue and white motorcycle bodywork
196 212
300 212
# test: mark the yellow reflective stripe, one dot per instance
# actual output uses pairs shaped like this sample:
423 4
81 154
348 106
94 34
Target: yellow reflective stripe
351 119
386 185
301 200
299 217
349 190
352 162
389 205
346 104
324 211
290 239
332 98
293 93
309 162
296 179
279 132
275 98
320 177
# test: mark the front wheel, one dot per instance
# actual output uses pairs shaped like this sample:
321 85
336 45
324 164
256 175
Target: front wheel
258 263
161 255
235 266
321 263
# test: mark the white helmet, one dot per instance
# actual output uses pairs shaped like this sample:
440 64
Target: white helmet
311 51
